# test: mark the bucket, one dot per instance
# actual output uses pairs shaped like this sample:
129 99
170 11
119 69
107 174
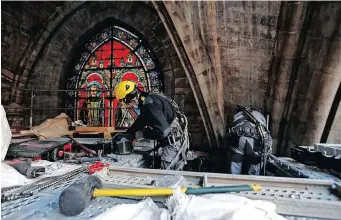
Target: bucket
122 143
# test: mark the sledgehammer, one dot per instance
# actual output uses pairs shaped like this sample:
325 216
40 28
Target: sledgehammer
74 199
77 196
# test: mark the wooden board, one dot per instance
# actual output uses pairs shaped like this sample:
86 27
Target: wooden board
83 130
93 130
20 136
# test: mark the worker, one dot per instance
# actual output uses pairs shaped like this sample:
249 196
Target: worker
249 142
159 120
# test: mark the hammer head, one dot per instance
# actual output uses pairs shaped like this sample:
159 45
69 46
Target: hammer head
74 199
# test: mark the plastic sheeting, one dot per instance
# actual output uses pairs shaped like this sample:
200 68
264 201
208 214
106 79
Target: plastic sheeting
145 210
190 207
6 134
219 207
11 177
8 175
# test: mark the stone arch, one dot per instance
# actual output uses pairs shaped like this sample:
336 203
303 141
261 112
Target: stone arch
203 70
73 20
84 20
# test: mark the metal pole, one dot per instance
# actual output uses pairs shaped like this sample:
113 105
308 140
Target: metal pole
31 109
154 155
103 111
265 153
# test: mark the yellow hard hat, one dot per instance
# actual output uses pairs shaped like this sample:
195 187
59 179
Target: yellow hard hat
123 89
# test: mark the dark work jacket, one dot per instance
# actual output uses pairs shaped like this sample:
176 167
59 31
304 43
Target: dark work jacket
157 113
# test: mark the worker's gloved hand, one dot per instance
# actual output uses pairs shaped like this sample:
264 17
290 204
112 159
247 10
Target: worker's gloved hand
139 135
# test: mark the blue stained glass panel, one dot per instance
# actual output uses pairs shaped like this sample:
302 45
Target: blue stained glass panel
106 34
154 81
126 37
149 63
84 56
78 66
142 52
98 40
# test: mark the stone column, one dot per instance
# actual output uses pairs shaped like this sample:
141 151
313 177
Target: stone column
326 87
283 73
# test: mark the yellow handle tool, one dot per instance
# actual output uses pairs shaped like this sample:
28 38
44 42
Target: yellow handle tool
170 191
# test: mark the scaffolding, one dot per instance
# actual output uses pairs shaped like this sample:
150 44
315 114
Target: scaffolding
92 111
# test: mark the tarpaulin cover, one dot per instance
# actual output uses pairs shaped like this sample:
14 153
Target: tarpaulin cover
11 177
51 128
145 210
219 207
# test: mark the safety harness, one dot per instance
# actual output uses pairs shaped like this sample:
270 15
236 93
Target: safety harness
260 132
172 138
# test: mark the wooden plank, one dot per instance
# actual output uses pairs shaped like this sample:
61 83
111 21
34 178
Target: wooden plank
99 129
91 129
26 132
114 130
19 136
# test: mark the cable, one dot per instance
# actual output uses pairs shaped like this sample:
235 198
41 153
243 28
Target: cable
200 163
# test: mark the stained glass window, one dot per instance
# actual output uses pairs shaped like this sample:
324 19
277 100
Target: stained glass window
113 55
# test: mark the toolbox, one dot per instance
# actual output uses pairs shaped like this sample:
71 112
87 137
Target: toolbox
36 149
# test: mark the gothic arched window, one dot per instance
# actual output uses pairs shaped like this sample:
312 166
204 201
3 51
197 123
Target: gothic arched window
111 56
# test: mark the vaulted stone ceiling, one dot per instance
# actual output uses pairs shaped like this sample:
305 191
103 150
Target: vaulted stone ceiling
282 58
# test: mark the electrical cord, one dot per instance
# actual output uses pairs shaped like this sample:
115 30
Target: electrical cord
200 164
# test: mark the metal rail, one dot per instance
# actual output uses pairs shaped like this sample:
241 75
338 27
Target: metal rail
220 177
292 196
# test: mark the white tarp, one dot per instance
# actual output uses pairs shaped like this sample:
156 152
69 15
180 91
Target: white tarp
219 207
190 207
8 175
6 134
11 177
145 210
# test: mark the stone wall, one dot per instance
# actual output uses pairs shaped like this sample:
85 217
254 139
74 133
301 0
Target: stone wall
230 47
21 25
247 33
281 58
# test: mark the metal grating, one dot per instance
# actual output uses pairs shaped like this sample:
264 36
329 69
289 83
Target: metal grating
301 170
45 205
128 180
293 194
132 160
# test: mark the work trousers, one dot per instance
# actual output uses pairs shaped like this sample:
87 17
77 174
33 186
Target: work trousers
170 155
243 157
